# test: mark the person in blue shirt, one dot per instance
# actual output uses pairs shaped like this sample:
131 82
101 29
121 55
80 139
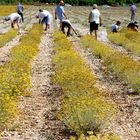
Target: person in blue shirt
60 12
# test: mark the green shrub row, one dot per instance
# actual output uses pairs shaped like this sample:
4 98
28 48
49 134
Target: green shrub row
126 68
84 108
15 75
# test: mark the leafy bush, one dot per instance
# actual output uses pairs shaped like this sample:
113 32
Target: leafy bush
83 106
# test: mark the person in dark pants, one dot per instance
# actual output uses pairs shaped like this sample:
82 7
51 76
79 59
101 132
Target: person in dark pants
44 18
67 24
94 20
133 25
20 10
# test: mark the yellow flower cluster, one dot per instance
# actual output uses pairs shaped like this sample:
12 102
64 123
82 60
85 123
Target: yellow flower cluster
7 37
84 107
107 136
15 75
123 66
128 39
7 9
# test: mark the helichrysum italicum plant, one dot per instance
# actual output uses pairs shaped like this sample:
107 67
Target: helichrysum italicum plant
128 39
6 10
83 106
15 75
107 136
7 37
125 67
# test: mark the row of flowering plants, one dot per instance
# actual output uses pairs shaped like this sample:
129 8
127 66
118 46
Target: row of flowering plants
15 75
125 68
128 39
83 107
7 37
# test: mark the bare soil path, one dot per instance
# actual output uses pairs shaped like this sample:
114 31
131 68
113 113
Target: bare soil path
37 120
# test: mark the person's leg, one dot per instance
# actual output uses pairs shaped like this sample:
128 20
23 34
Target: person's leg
63 27
69 29
95 31
45 22
46 27
21 16
91 28
132 16
60 24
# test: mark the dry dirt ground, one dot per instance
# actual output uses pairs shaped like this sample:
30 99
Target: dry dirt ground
38 120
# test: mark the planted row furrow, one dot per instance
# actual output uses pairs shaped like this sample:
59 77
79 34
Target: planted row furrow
84 108
128 39
125 68
15 75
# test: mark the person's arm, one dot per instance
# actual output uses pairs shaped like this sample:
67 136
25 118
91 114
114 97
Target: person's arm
63 11
100 20
74 30
55 14
65 15
22 8
89 18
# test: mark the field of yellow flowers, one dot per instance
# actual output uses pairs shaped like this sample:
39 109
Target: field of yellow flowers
91 106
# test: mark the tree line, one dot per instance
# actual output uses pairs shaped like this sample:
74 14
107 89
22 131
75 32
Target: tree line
72 2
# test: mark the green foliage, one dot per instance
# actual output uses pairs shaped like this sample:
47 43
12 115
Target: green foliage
84 107
73 2
15 75
123 66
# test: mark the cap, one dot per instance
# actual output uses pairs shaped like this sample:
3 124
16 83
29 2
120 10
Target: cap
95 6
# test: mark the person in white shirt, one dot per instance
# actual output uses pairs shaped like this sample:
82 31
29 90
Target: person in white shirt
67 24
15 18
94 20
60 12
115 27
45 17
